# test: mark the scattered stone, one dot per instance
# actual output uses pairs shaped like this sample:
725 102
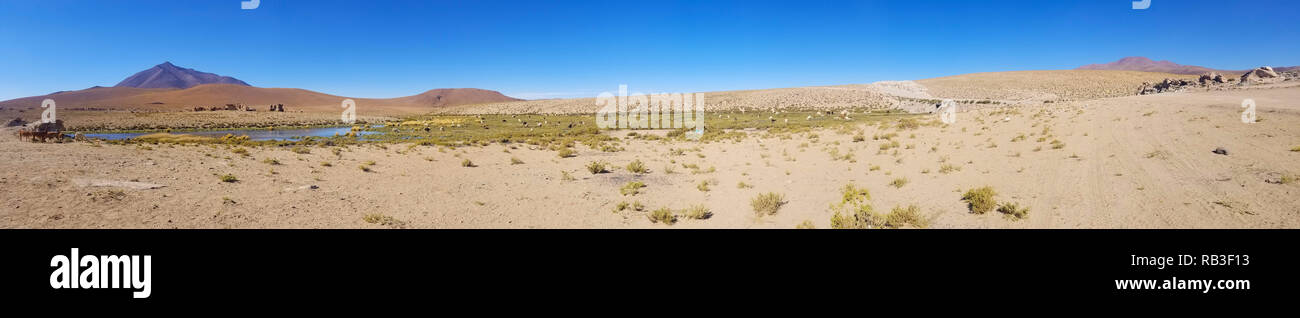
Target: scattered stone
1221 151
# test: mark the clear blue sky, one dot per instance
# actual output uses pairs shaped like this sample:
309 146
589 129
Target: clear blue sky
541 49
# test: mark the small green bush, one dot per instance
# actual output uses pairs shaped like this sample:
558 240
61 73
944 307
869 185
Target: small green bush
663 215
638 167
899 183
703 186
698 212
597 167
900 217
980 200
631 188
1012 210
767 203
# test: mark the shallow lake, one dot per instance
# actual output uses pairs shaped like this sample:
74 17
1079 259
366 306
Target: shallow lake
253 134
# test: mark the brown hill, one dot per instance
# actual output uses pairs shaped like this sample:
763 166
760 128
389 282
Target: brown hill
1142 64
122 98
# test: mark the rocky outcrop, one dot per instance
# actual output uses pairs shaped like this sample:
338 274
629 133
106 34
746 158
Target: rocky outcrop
1166 86
1213 78
1216 81
1291 76
1262 75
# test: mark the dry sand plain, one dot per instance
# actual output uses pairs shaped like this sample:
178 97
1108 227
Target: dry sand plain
1126 162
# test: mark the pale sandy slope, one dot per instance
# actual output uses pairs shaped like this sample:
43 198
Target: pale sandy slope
1111 184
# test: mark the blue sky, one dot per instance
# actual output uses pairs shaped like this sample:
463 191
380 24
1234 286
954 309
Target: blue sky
544 49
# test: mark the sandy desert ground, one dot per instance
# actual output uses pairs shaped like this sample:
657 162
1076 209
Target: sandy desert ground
1075 162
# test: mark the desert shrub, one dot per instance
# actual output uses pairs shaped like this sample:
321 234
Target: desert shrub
1012 210
565 176
1057 144
597 167
376 218
240 151
638 167
229 178
948 168
631 188
855 216
859 138
806 225
326 164
854 194
466 163
516 161
698 212
854 210
364 168
908 123
980 200
566 153
271 161
369 162
301 150
898 183
743 185
704 184
889 145
1295 149
663 215
900 217
695 169
767 203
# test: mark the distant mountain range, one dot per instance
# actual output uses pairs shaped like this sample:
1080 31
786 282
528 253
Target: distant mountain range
167 87
1138 63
